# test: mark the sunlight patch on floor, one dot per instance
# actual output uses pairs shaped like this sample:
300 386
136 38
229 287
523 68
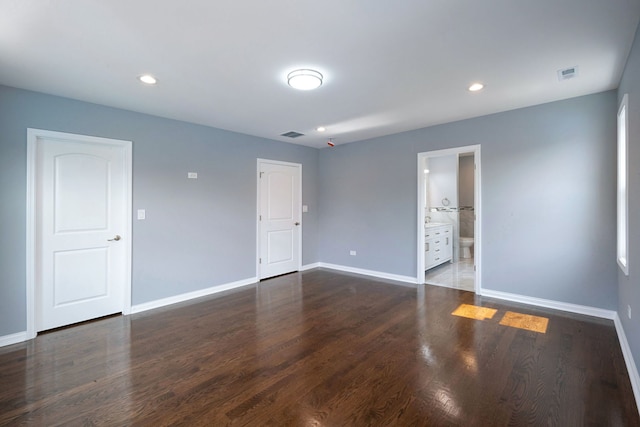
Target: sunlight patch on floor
510 318
525 321
474 312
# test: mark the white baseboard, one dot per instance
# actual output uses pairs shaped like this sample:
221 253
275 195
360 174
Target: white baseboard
309 266
547 303
379 274
191 295
13 338
628 360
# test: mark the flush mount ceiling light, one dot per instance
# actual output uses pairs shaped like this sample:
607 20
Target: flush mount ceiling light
321 129
304 79
476 87
148 79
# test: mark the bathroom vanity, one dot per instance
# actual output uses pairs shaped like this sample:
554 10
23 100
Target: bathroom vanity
438 244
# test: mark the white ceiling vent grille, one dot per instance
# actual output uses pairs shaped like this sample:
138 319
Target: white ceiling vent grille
567 73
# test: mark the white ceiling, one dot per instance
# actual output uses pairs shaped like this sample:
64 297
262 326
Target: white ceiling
389 66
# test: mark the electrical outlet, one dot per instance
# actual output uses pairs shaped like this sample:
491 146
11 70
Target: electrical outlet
192 175
352 253
629 311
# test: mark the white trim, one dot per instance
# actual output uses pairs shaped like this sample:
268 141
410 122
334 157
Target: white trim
309 266
622 200
628 360
546 303
31 244
137 308
14 338
378 274
477 245
31 235
277 162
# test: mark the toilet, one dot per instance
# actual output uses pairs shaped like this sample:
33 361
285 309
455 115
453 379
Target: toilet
466 243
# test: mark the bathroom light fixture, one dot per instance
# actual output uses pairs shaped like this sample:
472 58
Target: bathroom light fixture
476 87
304 79
321 129
426 171
148 79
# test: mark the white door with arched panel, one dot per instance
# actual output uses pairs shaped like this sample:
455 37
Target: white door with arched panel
82 227
279 218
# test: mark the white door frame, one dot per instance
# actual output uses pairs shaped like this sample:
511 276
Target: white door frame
277 162
477 245
32 193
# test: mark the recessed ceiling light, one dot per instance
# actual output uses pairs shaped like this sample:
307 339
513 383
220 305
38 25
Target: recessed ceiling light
148 79
304 79
476 87
321 129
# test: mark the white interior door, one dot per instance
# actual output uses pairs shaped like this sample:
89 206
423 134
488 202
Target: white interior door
279 218
82 228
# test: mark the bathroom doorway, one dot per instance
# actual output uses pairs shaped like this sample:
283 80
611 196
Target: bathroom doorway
449 232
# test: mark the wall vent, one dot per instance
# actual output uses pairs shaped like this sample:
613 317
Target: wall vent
292 134
567 73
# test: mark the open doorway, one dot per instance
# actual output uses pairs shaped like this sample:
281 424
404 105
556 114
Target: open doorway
449 238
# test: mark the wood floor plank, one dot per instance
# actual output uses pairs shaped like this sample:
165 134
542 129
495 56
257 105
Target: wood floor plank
320 348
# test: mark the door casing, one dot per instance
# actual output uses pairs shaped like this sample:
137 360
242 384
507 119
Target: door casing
258 194
477 245
33 135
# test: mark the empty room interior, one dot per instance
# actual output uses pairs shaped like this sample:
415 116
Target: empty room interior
319 213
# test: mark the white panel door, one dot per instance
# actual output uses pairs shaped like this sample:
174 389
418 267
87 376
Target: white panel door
81 227
279 218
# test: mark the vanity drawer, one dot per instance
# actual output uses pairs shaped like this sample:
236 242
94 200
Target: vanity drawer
431 232
438 244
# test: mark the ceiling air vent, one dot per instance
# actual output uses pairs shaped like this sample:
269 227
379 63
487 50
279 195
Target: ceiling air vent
292 134
567 73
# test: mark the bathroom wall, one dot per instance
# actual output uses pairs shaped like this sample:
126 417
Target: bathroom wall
466 172
443 183
443 187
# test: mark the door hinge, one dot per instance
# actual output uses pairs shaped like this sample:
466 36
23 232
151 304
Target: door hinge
261 173
260 261
260 217
474 268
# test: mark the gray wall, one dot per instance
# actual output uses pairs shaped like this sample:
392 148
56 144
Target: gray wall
548 189
629 287
198 233
548 199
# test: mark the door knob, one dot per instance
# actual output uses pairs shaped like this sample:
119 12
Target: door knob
297 223
115 238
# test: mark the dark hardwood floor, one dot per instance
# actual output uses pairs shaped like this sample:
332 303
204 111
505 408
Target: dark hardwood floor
320 348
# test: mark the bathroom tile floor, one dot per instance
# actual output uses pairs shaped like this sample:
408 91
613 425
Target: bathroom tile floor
457 275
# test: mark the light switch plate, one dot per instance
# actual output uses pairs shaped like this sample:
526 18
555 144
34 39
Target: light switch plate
142 214
305 208
192 175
